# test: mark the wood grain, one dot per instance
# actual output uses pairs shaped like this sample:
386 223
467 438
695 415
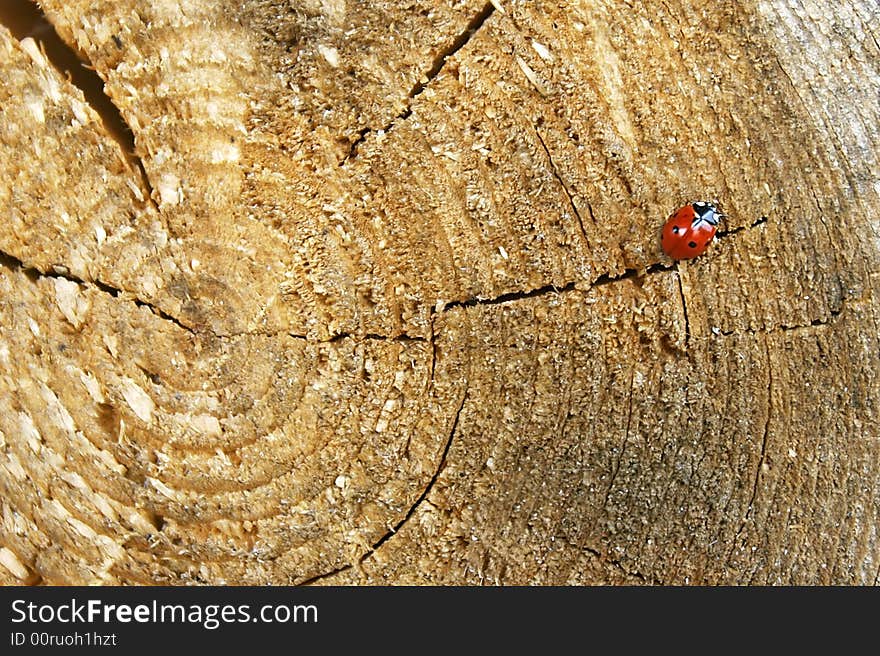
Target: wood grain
374 294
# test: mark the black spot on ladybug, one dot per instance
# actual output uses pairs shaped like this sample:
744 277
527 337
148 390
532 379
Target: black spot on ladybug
692 244
675 229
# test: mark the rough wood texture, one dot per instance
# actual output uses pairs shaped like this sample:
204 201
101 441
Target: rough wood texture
378 297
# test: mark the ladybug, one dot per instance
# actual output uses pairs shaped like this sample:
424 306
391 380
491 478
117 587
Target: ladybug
690 230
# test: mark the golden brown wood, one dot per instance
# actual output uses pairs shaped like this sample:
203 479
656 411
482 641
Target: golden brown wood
378 296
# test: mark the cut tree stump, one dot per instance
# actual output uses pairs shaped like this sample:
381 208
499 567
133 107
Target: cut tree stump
359 292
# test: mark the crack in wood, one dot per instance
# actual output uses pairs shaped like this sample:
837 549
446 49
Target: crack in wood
338 337
509 296
440 466
762 458
605 560
12 263
393 531
833 314
684 309
26 19
633 573
433 342
565 188
439 62
625 440
726 233
604 279
318 577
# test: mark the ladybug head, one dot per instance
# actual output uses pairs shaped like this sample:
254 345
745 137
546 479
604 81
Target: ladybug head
707 212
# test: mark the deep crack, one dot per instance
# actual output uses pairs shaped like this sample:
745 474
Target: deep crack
726 233
338 337
509 296
604 279
12 263
318 577
25 19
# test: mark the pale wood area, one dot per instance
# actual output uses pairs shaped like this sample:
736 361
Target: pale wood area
378 296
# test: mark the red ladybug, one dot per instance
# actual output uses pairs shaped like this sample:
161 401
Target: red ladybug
690 230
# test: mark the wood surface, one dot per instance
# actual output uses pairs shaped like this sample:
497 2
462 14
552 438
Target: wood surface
351 292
